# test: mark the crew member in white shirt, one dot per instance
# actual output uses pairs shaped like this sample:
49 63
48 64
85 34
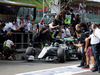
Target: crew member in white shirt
67 31
20 20
95 41
32 29
41 24
52 25
12 26
64 32
27 21
54 28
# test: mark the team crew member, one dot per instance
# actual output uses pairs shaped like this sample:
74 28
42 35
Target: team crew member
73 19
21 21
41 24
27 21
12 26
83 27
45 34
89 53
53 26
60 18
56 20
95 41
68 34
31 28
9 51
3 35
81 39
64 32
77 19
96 49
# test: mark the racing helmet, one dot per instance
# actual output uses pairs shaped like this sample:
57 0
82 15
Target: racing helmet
56 44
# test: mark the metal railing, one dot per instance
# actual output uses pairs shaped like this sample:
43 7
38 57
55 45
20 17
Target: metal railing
21 40
93 17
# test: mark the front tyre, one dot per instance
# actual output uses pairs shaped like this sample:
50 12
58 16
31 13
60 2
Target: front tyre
61 55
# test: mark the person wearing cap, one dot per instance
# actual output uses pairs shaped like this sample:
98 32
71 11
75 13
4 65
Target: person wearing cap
27 21
21 21
45 34
83 26
81 43
31 28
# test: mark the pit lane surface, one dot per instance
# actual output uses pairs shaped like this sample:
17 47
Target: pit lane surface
28 68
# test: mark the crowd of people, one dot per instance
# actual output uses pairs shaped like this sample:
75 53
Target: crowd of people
90 47
88 35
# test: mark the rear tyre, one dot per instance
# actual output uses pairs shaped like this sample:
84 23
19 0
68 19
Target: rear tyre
30 51
61 55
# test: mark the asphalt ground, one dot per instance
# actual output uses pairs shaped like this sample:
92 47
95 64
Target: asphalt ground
19 66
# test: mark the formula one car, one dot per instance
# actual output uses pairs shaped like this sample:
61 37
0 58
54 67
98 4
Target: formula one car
57 51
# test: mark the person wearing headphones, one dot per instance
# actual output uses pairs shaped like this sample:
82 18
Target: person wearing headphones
95 41
81 43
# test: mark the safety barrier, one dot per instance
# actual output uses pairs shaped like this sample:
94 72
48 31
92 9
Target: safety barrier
21 40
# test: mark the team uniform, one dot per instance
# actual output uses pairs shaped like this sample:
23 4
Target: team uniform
68 32
31 27
81 40
7 47
26 27
64 33
9 26
96 48
19 22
